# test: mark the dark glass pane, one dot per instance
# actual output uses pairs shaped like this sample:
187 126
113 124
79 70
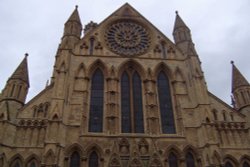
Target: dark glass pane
96 102
245 164
75 160
93 160
172 160
33 164
137 101
166 110
17 164
228 164
125 103
190 160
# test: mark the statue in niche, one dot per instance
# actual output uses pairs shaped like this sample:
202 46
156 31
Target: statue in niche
124 146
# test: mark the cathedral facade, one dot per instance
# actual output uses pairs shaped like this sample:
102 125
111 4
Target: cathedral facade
124 95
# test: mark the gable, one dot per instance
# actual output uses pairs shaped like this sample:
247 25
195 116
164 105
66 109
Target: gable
126 33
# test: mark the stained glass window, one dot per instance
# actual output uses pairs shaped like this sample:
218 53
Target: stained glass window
75 160
190 160
96 102
166 110
131 103
172 160
93 159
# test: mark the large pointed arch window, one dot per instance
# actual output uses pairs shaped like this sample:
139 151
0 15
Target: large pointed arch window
131 103
190 160
172 160
166 110
75 160
96 102
93 159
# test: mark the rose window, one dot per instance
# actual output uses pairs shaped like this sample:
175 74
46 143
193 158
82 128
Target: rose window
127 38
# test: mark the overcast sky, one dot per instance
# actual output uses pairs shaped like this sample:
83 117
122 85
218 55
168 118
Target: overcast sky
220 31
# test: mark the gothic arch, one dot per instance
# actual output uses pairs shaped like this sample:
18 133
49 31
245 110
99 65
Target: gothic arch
81 71
163 67
132 64
179 75
94 147
62 67
32 158
231 159
244 159
192 149
49 157
16 159
174 149
72 148
95 65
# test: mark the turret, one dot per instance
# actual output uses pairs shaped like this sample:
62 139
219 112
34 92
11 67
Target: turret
72 30
14 94
240 89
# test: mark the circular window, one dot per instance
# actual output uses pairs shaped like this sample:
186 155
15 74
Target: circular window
127 38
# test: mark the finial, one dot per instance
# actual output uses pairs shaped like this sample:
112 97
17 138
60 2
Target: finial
76 6
26 55
232 62
176 12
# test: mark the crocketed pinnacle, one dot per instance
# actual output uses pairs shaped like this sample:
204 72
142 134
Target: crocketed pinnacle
21 71
75 16
179 22
238 79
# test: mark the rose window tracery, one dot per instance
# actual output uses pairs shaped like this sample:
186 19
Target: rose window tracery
127 38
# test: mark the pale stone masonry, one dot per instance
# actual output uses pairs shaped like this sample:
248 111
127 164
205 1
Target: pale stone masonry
124 95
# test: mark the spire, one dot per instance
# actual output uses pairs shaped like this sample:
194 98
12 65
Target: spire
238 79
179 22
75 16
181 32
72 30
21 71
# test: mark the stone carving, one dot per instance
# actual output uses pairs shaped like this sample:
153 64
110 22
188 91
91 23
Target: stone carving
127 38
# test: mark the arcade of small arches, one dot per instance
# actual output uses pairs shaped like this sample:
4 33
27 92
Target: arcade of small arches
76 156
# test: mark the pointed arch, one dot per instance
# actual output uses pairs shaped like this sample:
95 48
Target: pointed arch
72 148
49 157
132 119
191 156
62 67
94 147
230 161
33 161
96 102
179 75
165 102
245 161
174 149
80 72
93 160
163 67
16 161
55 117
131 64
97 64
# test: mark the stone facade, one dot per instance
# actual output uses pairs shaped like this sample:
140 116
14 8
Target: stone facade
53 128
